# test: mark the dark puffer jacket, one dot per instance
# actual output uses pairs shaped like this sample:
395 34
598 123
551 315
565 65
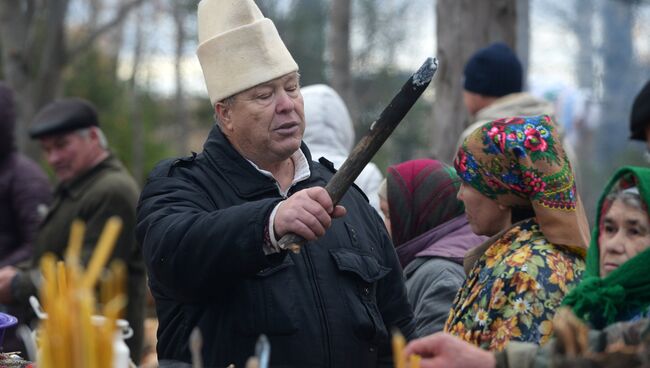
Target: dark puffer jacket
23 188
201 222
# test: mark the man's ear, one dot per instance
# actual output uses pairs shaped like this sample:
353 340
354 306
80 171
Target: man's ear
92 134
222 112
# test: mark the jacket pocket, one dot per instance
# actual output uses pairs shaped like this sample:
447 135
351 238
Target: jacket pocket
271 295
359 274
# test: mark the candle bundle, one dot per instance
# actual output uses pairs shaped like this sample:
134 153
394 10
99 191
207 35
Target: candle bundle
399 360
70 336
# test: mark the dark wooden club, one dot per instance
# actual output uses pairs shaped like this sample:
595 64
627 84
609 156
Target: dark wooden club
379 131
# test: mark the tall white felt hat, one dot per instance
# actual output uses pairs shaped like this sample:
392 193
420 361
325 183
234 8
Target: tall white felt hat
238 47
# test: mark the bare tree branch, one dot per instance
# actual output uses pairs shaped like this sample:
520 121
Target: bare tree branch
52 56
30 31
93 35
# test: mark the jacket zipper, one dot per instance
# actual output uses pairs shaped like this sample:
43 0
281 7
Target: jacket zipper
321 307
306 254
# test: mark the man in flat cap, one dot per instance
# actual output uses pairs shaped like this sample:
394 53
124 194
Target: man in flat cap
93 186
209 224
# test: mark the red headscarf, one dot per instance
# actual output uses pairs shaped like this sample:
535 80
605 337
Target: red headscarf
421 196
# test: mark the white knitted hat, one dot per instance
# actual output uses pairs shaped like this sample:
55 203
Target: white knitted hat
238 47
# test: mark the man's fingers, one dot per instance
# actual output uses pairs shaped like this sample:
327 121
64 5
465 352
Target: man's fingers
307 213
320 195
296 217
319 213
303 231
426 347
315 223
339 211
430 363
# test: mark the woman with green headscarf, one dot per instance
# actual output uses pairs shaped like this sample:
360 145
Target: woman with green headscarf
615 286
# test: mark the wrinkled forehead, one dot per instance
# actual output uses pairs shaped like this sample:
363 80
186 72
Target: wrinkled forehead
293 77
623 211
58 138
625 191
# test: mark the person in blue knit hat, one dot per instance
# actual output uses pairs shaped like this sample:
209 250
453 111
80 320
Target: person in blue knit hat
493 88
491 73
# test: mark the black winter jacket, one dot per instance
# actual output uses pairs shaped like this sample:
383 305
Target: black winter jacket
201 221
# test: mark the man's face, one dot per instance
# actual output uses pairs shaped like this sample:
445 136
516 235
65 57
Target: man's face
69 154
266 123
475 102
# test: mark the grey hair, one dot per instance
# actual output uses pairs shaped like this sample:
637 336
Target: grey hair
630 197
228 102
85 133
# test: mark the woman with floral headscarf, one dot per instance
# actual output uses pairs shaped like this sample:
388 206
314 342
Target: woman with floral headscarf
431 236
518 187
615 288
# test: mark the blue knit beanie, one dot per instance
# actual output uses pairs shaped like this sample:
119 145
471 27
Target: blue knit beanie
494 71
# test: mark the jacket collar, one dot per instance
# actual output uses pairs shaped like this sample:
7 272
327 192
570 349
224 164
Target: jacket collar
450 240
243 177
77 186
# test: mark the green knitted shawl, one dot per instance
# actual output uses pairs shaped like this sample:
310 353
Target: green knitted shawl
603 301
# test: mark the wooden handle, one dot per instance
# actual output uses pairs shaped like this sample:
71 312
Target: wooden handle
379 131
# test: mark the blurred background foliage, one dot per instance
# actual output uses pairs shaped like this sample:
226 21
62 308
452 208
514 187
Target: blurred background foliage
135 60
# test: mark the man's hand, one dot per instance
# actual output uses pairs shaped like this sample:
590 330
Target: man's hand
6 275
307 213
444 350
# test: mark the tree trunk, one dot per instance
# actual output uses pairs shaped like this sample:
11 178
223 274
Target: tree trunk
137 125
583 26
33 64
13 36
523 35
463 26
180 110
339 47
620 80
34 75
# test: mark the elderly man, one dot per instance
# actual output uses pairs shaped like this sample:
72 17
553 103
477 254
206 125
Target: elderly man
93 186
210 223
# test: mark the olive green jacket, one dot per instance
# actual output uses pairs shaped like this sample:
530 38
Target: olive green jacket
105 190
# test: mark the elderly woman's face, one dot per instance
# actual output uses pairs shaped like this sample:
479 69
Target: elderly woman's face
625 232
485 216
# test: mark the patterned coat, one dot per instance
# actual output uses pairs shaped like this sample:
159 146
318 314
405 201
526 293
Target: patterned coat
514 288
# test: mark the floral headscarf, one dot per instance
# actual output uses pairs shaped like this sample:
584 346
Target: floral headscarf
520 162
421 196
